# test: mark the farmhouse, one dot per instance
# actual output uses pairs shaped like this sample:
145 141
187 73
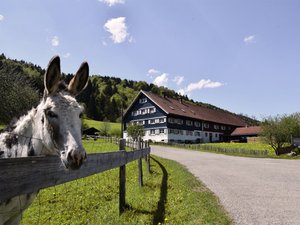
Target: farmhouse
170 120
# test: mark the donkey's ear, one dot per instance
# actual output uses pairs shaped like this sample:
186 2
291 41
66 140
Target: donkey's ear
80 80
52 76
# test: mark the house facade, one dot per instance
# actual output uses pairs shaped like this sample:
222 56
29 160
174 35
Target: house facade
170 120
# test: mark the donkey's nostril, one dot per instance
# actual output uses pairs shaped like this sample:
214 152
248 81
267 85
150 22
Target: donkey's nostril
75 158
69 156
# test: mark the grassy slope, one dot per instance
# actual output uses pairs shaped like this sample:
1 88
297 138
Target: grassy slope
114 128
170 195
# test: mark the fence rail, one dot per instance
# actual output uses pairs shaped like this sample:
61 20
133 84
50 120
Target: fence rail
26 175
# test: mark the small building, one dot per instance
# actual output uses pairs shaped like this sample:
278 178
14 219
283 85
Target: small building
169 120
243 134
92 131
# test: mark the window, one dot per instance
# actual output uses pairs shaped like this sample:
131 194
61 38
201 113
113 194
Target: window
197 133
143 111
141 122
152 121
217 135
179 121
189 123
152 132
216 127
223 127
171 120
197 124
143 100
189 133
161 131
152 110
206 125
162 120
175 131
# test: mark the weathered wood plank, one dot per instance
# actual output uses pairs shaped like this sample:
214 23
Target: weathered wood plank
27 175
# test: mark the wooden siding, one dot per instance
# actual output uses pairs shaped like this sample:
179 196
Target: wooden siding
159 113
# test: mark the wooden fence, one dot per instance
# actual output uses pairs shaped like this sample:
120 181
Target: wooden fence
241 151
26 175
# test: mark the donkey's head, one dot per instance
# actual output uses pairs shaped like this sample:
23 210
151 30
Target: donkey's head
60 115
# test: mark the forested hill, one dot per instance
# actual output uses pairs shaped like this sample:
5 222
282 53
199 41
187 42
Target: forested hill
21 87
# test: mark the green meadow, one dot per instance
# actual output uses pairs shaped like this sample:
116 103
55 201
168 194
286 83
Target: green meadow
170 195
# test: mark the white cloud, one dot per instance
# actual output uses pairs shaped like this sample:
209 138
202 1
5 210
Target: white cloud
112 2
67 55
118 29
153 73
181 91
203 84
250 39
178 80
55 41
161 80
1 17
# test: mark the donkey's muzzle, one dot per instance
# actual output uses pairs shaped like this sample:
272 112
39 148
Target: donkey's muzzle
75 159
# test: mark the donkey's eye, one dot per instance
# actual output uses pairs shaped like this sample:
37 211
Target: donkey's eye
51 114
80 115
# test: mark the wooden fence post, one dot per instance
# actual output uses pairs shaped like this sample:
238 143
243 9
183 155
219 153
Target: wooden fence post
140 165
148 157
122 181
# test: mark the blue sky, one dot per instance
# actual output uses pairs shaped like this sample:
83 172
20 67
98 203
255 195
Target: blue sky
240 55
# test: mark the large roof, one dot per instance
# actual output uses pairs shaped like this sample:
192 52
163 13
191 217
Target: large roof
182 108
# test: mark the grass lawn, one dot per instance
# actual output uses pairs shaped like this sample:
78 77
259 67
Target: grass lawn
171 195
114 128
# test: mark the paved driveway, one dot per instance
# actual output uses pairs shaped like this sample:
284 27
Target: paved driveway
254 191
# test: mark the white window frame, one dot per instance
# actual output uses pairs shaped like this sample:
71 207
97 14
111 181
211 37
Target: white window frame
189 123
152 110
143 100
162 120
152 131
161 130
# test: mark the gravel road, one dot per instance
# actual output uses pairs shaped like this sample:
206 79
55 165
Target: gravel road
253 191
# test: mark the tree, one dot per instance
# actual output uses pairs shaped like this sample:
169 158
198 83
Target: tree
16 93
278 130
135 131
105 128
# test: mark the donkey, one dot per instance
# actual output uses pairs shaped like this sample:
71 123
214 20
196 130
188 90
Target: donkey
52 128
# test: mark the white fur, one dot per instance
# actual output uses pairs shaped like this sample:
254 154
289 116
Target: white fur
57 116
